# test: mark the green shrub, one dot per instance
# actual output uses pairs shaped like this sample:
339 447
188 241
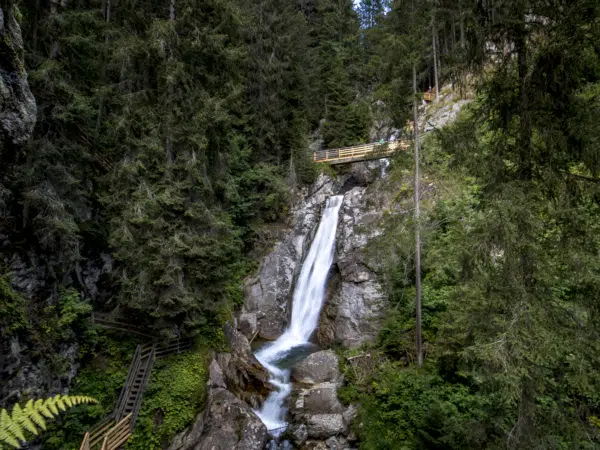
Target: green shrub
172 400
409 409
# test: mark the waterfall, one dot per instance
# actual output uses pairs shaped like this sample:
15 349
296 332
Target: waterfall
306 307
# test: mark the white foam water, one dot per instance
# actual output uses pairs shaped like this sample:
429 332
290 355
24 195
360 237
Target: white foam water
306 307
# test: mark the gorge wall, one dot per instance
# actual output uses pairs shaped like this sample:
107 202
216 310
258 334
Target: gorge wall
352 314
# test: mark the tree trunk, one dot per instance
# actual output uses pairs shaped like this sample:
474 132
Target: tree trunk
417 219
172 11
435 58
462 32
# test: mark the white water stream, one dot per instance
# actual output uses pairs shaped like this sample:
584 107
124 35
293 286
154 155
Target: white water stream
306 307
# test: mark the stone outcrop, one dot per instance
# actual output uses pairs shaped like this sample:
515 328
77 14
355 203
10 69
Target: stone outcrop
228 422
243 375
355 302
17 104
322 426
318 367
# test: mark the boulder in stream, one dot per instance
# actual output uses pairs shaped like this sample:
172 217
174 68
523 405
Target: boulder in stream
318 367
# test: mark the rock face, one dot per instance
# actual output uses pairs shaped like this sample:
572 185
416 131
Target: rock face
17 105
228 422
242 374
23 369
355 304
318 367
267 295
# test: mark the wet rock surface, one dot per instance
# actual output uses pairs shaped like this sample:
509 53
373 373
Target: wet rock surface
268 295
241 372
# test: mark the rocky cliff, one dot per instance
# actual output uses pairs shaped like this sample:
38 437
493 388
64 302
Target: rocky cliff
354 301
17 105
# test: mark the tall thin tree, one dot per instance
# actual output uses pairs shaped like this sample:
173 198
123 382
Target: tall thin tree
417 219
435 56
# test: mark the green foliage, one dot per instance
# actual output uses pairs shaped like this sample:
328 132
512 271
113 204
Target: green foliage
13 315
408 409
66 321
33 416
172 400
102 377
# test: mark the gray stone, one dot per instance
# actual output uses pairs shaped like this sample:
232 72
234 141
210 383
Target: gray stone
334 444
268 294
17 105
247 325
321 426
242 373
215 376
227 423
350 414
299 433
318 367
322 399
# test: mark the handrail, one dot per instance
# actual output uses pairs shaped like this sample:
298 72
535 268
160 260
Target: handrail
138 399
97 432
361 151
177 346
133 368
85 444
117 435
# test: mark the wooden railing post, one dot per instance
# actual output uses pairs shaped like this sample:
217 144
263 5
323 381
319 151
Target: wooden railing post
85 444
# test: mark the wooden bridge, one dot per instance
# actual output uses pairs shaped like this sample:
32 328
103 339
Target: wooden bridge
112 432
361 152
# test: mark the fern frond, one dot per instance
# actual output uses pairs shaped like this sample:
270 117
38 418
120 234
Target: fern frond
17 418
6 434
27 420
31 417
50 404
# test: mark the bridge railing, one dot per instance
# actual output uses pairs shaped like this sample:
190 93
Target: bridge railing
364 151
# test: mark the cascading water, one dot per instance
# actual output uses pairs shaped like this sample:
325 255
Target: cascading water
306 307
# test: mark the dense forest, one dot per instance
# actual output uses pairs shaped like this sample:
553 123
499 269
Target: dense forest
172 134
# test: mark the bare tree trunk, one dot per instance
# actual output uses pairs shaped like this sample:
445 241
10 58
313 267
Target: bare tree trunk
462 31
172 11
435 59
417 219
453 31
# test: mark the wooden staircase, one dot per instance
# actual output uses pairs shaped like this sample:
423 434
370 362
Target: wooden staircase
112 432
130 399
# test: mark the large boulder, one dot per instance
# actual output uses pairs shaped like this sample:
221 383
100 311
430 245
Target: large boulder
322 398
318 399
226 424
241 371
322 426
318 367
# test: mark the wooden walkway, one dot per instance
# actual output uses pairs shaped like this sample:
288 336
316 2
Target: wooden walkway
112 432
361 152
